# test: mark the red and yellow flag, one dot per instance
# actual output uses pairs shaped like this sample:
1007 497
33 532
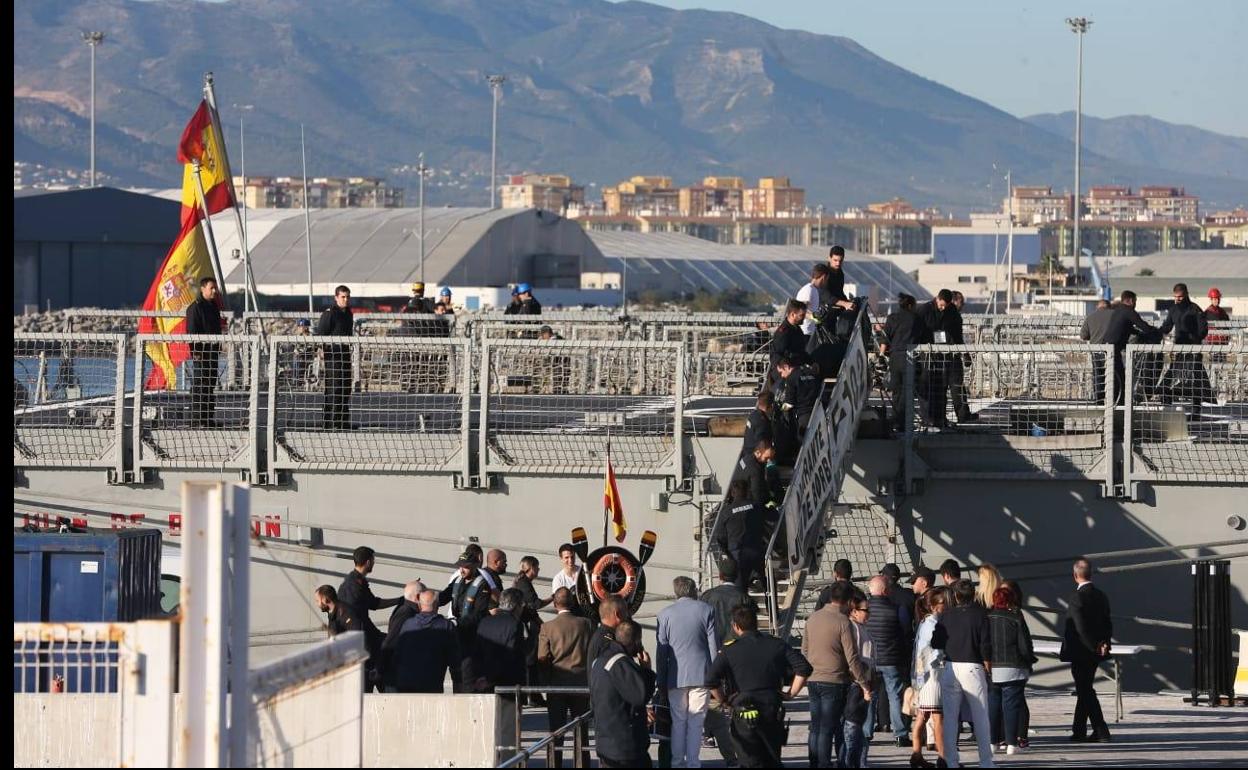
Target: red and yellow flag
175 287
200 142
612 505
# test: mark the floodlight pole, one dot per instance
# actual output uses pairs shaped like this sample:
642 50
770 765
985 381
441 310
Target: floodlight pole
93 39
1079 25
496 86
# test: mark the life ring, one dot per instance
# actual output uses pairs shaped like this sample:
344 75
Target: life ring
614 574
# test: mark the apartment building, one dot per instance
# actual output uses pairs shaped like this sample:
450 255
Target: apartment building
284 192
1116 203
554 192
1033 205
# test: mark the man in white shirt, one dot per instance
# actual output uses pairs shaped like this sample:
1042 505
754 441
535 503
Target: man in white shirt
568 577
810 294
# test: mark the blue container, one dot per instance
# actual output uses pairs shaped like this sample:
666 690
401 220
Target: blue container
101 576
92 577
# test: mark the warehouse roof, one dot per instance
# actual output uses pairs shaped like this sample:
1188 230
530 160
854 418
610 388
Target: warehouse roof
465 246
779 271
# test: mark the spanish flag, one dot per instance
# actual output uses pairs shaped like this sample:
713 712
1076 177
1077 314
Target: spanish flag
201 142
175 287
612 506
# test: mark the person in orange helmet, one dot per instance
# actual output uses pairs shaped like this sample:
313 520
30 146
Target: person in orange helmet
1215 312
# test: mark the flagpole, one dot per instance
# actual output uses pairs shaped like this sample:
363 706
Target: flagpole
606 514
249 283
307 220
206 221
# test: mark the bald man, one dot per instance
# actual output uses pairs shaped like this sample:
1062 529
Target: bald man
404 612
494 568
427 648
890 636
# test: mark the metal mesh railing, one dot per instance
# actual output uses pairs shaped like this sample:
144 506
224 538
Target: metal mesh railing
1187 412
196 401
727 373
551 406
1018 410
530 327
368 403
67 658
96 320
68 400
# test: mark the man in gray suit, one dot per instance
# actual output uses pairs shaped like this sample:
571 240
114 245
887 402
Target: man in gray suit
1095 329
687 644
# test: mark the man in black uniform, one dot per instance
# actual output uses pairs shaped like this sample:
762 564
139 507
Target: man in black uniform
750 671
834 287
945 325
611 613
203 316
902 329
796 394
339 617
789 340
337 321
621 683
1123 323
758 469
356 594
743 533
1187 378
469 597
758 424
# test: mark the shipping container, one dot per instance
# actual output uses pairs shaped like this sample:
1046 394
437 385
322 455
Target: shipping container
98 576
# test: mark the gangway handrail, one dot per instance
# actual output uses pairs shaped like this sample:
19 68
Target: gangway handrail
798 562
521 758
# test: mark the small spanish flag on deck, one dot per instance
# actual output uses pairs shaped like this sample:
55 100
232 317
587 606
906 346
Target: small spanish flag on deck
612 506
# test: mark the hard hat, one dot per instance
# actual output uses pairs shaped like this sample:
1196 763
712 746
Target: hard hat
1214 293
418 286
523 289
446 292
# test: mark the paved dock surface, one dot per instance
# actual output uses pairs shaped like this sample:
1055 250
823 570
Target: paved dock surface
1156 731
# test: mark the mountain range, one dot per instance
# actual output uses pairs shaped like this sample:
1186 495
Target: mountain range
597 90
1144 140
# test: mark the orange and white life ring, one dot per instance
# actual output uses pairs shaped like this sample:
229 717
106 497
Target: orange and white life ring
613 574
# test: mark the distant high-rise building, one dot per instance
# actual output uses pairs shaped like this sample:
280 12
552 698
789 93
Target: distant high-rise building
554 192
774 196
1034 205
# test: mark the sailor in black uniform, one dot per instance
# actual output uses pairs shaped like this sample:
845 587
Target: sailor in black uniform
750 671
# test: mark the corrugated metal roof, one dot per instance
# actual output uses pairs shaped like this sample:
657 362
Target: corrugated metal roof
1189 264
383 245
682 262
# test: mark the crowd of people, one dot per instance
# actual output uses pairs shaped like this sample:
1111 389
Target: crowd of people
912 661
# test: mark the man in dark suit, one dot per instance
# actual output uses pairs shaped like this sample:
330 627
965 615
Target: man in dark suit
1125 322
498 651
1085 643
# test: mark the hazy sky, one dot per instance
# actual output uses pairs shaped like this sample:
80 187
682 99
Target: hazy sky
1184 62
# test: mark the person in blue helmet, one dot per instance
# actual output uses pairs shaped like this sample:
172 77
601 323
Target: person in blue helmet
513 307
528 303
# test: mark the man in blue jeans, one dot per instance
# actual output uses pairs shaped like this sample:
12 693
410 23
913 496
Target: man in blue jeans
830 646
890 637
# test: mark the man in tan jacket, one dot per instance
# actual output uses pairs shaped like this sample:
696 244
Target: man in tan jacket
830 647
562 653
